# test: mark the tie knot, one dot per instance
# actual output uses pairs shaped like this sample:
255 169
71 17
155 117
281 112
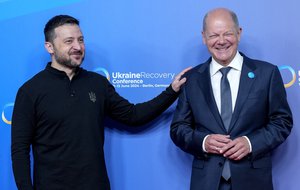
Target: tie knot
225 70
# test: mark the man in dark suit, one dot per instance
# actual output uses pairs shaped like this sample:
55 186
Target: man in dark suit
231 113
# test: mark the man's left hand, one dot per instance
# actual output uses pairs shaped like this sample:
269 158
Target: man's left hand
236 149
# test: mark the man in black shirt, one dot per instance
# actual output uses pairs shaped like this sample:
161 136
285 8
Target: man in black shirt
60 114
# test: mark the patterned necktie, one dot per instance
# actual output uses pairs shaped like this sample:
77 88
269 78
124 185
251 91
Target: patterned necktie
226 111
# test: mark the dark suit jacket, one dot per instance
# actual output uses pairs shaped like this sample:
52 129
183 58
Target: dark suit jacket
261 113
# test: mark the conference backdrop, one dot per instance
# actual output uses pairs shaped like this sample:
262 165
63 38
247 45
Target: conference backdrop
148 41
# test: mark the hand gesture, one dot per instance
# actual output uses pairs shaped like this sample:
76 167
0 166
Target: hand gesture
178 80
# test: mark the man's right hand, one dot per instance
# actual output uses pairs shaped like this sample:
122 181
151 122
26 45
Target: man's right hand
214 143
178 80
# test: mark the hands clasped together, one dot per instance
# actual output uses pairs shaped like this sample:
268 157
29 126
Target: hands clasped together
222 144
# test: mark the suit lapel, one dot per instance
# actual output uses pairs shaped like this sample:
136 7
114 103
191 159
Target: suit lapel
246 83
204 81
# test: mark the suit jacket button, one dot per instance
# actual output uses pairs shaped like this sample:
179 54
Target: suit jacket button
205 156
220 164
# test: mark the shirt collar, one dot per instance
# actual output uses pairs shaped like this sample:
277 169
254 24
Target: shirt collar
236 64
59 73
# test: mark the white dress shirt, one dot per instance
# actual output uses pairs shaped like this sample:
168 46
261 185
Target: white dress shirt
233 78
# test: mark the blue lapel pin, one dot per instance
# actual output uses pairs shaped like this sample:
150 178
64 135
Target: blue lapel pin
251 75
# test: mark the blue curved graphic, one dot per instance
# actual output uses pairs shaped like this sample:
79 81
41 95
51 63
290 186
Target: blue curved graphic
104 71
4 118
293 73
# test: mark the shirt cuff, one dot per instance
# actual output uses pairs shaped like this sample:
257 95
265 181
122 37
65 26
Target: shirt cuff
203 143
250 146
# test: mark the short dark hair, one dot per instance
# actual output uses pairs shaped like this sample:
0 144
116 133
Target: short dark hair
55 22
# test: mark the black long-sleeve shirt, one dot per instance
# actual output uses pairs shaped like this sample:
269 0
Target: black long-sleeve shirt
63 121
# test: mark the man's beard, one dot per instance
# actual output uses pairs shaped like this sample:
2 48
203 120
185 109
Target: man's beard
67 61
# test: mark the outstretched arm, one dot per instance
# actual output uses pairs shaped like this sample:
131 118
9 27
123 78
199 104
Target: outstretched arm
137 114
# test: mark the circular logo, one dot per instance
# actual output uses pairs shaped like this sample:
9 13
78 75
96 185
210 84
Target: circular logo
291 82
4 118
103 71
251 75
